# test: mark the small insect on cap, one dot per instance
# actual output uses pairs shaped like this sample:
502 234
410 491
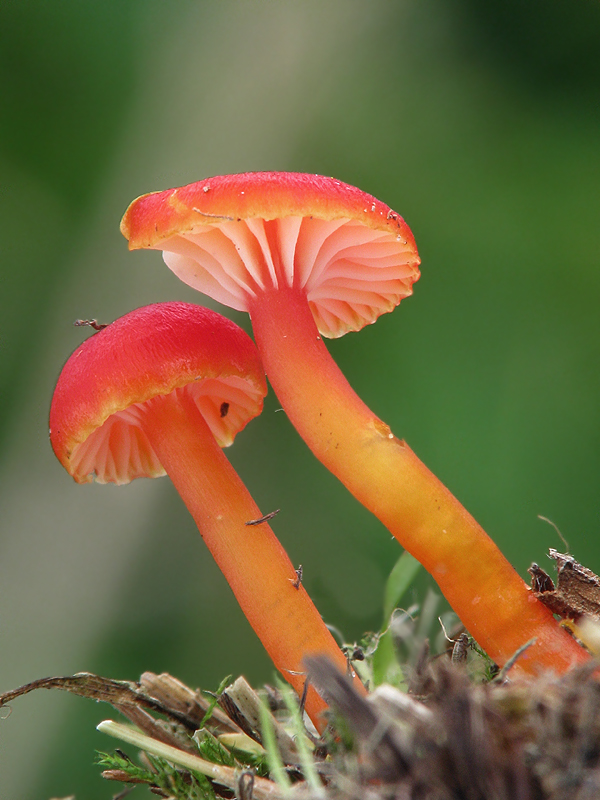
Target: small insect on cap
234 236
97 411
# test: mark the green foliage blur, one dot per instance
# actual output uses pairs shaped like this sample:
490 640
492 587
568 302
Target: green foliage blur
478 122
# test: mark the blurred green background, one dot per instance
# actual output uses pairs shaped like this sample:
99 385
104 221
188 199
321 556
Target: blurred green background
479 122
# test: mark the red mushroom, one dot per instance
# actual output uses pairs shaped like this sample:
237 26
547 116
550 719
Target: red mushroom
309 256
162 389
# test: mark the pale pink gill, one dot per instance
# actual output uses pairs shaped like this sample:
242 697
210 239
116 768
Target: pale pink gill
350 273
119 451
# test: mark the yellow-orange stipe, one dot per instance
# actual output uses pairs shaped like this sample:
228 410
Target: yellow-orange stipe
385 475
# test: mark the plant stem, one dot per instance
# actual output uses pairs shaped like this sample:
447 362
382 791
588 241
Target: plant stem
226 776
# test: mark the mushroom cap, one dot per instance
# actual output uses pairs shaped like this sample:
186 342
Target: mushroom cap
234 236
97 411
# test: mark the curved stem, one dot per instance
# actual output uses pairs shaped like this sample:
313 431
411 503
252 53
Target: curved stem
384 474
252 560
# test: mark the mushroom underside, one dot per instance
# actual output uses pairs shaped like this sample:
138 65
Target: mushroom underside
350 273
119 450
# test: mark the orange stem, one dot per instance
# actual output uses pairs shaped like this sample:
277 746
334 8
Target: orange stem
384 474
251 558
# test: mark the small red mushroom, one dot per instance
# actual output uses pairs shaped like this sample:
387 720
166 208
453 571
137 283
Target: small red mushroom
161 390
309 256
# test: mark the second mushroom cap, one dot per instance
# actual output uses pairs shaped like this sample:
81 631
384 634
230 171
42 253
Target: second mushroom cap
97 410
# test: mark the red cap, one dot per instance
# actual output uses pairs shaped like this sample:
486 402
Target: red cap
233 236
97 409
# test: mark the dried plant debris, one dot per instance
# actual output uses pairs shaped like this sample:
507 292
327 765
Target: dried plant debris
448 731
191 747
179 706
457 739
577 590
536 740
460 739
